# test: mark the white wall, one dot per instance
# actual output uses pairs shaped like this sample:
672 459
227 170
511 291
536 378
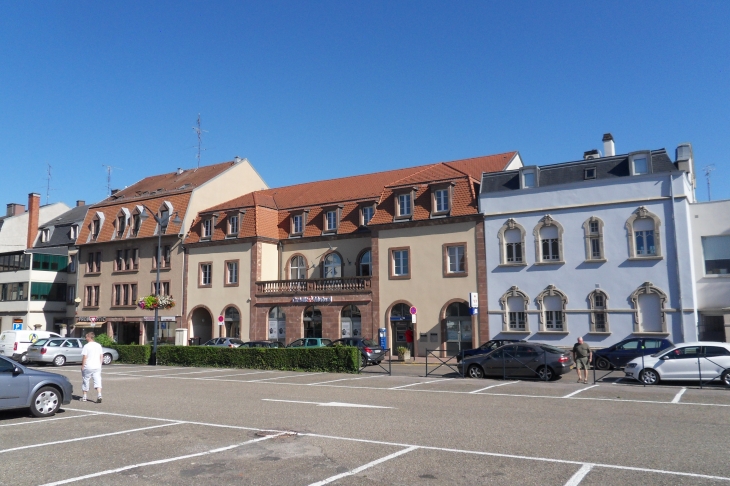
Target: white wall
710 219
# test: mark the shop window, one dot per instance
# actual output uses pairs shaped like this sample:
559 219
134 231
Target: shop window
312 322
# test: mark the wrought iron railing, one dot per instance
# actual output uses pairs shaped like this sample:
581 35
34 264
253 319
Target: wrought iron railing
346 284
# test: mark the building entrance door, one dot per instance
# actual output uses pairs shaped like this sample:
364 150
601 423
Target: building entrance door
400 319
351 322
458 328
277 325
312 322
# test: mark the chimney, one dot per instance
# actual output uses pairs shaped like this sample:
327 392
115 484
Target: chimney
15 209
114 191
591 154
80 202
179 171
34 204
609 149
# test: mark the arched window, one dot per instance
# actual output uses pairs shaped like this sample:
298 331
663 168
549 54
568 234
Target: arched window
233 322
458 328
514 307
277 324
552 304
649 303
643 233
400 312
593 232
297 268
548 241
312 322
598 302
276 313
365 264
332 266
351 321
511 243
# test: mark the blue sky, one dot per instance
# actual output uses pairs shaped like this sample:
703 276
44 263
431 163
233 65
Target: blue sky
315 90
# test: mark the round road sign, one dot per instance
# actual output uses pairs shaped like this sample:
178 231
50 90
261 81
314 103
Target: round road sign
220 319
413 310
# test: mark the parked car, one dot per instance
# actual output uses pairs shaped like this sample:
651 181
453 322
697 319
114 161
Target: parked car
528 360
224 342
370 350
14 344
485 348
309 343
60 351
619 354
262 344
687 361
42 392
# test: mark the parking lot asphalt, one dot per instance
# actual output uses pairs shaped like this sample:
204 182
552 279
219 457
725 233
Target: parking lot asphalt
173 425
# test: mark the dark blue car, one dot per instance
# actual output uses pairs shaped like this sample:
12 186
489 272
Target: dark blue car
487 347
618 355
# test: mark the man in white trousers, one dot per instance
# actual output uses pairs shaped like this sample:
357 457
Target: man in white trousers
91 361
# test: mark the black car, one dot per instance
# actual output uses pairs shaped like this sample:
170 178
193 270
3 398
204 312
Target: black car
523 360
487 347
618 355
371 351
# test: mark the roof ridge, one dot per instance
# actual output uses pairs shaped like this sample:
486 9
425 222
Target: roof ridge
430 166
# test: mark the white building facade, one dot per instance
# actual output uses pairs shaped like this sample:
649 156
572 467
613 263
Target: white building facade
598 248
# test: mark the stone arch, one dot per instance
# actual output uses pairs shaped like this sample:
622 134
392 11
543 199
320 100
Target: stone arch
228 328
513 291
511 224
197 327
289 262
560 323
648 288
642 213
389 325
546 222
324 257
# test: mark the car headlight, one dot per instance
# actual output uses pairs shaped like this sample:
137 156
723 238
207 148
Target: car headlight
631 365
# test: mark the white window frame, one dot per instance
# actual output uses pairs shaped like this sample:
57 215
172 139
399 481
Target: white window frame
234 224
400 198
546 221
591 236
231 272
368 208
548 320
511 224
649 288
635 156
207 228
598 309
514 291
643 213
297 220
330 220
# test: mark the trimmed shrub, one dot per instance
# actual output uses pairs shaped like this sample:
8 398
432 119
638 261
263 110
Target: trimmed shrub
339 359
105 340
133 354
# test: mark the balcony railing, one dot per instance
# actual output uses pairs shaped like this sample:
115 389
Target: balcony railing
347 284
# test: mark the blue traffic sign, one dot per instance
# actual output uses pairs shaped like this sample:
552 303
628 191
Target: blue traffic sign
17 327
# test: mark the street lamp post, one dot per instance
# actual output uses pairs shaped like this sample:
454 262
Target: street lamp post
160 222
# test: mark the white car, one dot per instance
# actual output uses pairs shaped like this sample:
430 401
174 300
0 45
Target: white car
704 360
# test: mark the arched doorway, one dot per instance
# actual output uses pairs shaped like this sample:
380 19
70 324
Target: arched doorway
458 328
233 322
350 322
277 325
312 322
202 325
400 321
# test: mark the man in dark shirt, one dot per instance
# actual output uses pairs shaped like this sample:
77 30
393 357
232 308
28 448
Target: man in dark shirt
582 355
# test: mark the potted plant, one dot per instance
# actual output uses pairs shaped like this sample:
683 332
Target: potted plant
403 353
151 302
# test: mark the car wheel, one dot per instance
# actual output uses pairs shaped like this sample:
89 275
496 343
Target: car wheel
603 364
59 360
107 358
649 377
378 362
23 358
46 402
475 371
725 377
546 373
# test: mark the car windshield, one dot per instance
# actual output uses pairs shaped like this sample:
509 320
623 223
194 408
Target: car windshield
552 349
370 343
663 351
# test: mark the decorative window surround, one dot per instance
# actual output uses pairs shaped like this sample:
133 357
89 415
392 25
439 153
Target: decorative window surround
504 302
546 221
643 213
649 288
593 221
552 291
594 298
510 224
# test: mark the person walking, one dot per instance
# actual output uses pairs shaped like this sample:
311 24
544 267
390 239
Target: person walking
91 362
582 355
409 339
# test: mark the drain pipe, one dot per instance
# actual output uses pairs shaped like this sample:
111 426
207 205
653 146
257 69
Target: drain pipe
676 256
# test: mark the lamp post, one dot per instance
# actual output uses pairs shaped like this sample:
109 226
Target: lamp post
160 221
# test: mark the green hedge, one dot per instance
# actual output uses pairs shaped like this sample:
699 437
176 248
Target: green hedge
340 359
133 354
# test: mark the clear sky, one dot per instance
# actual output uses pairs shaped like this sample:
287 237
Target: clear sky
313 90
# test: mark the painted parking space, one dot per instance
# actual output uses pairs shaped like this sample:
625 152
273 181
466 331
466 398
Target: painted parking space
709 395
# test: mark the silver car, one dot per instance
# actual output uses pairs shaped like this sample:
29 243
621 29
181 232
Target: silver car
60 351
42 392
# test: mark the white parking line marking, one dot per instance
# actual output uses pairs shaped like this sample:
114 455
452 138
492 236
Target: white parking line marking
235 374
326 404
280 378
162 461
493 386
363 467
579 391
49 420
678 396
345 379
431 448
617 381
578 477
420 383
87 437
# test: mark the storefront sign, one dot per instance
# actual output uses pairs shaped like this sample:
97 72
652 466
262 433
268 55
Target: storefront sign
315 298
160 319
91 319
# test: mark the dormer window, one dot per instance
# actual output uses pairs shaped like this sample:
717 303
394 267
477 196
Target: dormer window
639 163
529 177
404 205
589 173
297 224
233 225
45 235
367 214
207 228
441 200
74 233
164 219
330 220
96 225
121 225
136 223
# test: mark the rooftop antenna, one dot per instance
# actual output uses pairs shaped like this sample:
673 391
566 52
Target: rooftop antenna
109 178
199 131
48 184
708 169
